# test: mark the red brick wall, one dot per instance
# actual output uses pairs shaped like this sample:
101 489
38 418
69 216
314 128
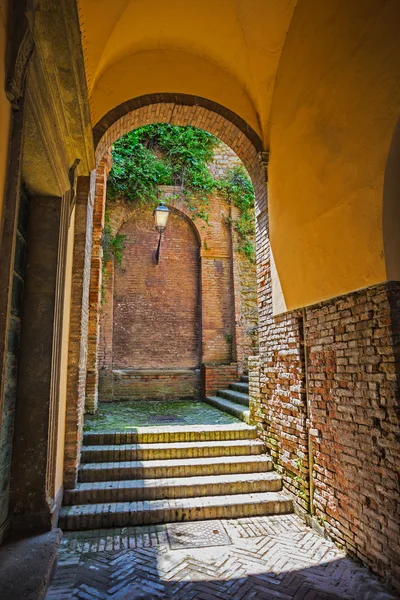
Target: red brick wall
226 297
349 349
92 377
353 356
156 307
217 377
77 349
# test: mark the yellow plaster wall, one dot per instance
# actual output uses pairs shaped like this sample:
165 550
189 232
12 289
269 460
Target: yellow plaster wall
5 109
391 209
335 107
64 356
175 71
226 50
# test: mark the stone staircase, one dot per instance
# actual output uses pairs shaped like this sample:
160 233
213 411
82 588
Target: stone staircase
234 400
165 474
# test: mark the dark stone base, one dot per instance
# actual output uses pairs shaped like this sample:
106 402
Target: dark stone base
26 565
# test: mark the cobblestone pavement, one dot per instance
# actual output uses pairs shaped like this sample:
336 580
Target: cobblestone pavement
243 559
126 415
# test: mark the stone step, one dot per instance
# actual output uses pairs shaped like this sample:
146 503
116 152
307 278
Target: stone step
187 433
244 378
239 386
234 396
233 408
178 487
135 452
121 514
188 467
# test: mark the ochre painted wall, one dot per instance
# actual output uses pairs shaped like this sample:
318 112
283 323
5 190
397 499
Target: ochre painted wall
170 71
64 356
335 107
5 109
227 51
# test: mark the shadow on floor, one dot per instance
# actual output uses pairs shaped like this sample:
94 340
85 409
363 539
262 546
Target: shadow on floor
264 568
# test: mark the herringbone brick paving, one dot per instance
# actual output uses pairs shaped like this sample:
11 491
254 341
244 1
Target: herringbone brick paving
276 557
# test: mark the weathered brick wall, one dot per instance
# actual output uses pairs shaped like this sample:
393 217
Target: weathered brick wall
77 350
349 348
277 378
133 295
156 307
353 357
217 377
244 275
189 294
246 309
92 375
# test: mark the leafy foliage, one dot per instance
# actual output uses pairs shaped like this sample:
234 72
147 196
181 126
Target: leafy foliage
239 189
113 245
164 154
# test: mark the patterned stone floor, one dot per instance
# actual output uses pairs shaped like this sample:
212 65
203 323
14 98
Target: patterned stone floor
126 415
244 559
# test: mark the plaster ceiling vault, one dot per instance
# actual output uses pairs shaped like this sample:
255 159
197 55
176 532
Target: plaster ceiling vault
226 51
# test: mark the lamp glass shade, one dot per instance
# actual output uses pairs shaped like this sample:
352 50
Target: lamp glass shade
161 214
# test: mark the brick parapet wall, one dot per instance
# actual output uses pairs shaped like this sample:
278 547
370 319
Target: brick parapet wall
77 349
92 377
157 384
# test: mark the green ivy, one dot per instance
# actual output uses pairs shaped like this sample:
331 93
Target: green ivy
164 154
113 245
237 186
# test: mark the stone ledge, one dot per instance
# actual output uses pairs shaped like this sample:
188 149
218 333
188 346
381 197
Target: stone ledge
26 565
154 372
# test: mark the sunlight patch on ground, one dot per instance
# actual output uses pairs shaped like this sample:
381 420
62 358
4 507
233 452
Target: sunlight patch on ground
128 414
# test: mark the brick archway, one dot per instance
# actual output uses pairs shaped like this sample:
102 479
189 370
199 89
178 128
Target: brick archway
180 110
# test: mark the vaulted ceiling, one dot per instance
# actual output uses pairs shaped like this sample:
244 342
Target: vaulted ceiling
227 51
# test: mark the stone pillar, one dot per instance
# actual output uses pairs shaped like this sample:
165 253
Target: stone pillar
32 488
92 378
77 350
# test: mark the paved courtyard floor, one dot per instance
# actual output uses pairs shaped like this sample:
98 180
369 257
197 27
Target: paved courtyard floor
258 558
126 415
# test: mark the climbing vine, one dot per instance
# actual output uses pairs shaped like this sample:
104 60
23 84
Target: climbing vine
164 154
113 246
239 189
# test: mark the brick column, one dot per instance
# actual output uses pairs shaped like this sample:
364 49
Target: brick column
92 377
254 389
77 350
